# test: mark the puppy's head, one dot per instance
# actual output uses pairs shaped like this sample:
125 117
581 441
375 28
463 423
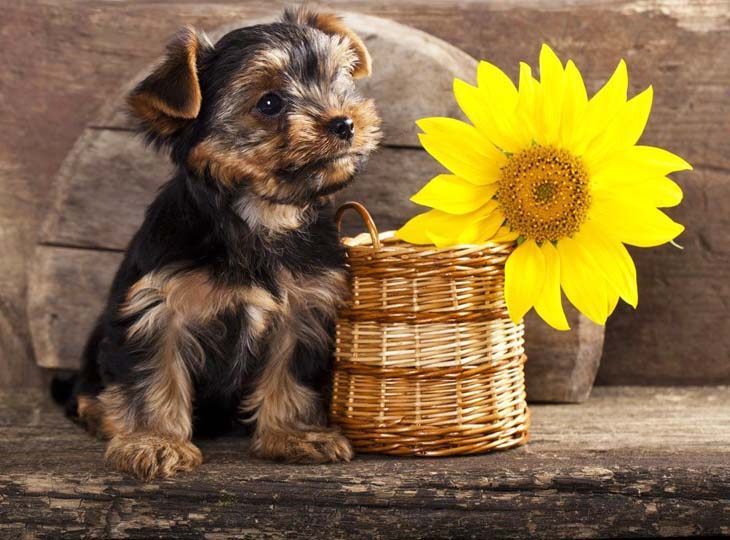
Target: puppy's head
272 108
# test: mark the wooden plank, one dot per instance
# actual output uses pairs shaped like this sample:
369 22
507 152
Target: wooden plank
67 293
629 462
103 190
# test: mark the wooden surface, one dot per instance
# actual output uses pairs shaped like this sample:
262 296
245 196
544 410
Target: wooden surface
66 60
629 462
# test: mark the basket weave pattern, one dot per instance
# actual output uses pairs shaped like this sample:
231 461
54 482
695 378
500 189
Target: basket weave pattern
427 360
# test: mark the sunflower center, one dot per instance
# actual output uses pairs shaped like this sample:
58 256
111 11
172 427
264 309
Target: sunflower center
543 192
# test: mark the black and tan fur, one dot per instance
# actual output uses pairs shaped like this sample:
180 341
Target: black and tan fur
224 305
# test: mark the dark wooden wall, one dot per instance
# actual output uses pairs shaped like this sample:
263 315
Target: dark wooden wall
61 61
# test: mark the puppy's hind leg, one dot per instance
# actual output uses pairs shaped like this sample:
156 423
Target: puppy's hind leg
290 422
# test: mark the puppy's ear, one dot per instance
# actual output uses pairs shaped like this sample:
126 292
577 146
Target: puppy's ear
331 24
170 97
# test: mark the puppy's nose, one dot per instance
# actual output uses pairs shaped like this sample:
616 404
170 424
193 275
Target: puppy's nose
343 127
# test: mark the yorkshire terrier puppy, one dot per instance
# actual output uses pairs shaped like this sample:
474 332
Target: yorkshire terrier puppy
224 305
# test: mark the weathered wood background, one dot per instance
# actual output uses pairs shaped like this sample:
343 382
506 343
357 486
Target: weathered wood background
63 61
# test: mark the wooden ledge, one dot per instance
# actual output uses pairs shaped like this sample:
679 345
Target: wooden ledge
631 461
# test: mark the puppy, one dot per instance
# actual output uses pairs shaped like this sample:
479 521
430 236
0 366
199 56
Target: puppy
224 305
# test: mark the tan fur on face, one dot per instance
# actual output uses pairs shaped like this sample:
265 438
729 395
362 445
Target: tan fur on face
247 146
225 164
256 165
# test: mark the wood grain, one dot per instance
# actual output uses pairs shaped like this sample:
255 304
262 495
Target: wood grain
629 462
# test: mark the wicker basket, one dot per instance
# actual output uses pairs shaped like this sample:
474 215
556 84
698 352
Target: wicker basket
427 361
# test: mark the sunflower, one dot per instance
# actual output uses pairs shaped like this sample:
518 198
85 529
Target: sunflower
560 174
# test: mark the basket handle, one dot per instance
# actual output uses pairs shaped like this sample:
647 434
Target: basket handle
364 214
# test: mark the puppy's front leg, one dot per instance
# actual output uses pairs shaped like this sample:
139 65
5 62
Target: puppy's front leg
290 422
148 414
149 425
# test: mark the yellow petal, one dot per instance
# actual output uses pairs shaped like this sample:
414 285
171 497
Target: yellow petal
661 192
487 228
636 163
633 118
505 235
612 298
631 222
470 100
415 231
575 103
527 102
623 131
499 128
465 135
578 277
524 278
549 305
552 82
477 231
613 260
454 195
496 85
442 229
464 162
602 108
660 158
501 98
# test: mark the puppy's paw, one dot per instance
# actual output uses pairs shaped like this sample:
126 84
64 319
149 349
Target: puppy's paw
309 445
150 456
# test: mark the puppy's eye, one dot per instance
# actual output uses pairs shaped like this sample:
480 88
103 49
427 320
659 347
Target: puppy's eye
270 105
